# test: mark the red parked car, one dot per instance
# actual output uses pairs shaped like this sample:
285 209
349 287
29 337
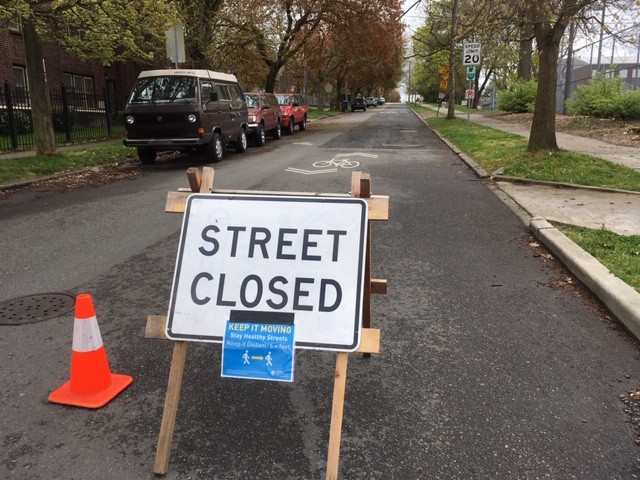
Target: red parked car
264 116
294 110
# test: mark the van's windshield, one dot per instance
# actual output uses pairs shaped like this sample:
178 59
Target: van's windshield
164 90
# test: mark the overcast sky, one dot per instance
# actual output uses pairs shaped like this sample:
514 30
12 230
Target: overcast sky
415 16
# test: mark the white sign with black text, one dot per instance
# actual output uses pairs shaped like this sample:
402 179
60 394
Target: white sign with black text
471 53
244 256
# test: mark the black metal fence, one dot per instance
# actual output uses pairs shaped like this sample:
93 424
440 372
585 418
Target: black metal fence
76 117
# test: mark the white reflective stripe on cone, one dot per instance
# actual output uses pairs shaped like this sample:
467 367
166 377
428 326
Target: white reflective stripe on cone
86 335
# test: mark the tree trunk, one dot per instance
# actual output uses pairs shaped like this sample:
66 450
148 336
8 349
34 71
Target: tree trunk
451 111
543 128
43 134
525 52
569 65
272 77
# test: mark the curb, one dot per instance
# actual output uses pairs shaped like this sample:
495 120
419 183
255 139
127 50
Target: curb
25 183
479 171
545 183
621 299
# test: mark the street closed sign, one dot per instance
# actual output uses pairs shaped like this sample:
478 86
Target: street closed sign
258 256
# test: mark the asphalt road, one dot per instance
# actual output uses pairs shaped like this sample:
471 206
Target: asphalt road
494 365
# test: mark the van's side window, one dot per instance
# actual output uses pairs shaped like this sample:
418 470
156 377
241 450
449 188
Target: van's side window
236 93
206 88
224 92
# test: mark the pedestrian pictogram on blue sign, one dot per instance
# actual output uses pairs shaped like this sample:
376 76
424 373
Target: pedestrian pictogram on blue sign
259 351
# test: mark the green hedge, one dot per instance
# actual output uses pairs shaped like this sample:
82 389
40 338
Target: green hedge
22 121
519 98
605 98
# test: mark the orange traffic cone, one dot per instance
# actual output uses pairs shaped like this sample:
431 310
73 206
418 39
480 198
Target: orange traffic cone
92 385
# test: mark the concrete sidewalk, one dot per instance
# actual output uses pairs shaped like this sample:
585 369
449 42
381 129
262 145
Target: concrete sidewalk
628 156
542 202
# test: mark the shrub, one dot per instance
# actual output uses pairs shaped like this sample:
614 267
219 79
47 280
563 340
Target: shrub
630 105
22 121
520 98
604 98
58 118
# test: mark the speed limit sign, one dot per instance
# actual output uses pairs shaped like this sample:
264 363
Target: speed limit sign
471 53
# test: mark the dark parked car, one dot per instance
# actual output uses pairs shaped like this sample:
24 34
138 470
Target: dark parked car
178 110
358 104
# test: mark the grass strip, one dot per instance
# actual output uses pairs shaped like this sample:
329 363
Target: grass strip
25 168
619 253
494 149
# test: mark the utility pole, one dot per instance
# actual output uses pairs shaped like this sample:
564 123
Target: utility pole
635 78
604 7
569 65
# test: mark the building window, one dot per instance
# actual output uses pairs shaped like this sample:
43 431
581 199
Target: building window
80 90
20 85
20 76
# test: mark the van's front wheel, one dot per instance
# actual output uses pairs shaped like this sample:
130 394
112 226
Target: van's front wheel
241 141
147 155
215 150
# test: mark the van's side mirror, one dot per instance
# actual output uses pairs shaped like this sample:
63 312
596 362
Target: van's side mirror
213 96
296 103
266 107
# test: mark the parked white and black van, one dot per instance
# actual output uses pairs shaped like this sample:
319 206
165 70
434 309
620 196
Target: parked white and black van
182 110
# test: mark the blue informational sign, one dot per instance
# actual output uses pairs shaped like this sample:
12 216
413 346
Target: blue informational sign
259 351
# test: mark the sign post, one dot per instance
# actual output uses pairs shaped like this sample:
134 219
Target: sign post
175 44
470 58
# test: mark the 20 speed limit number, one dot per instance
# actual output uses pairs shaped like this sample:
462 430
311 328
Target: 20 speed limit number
471 54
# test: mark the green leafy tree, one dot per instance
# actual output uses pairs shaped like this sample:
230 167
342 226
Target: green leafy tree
108 30
549 20
271 33
199 18
449 23
284 42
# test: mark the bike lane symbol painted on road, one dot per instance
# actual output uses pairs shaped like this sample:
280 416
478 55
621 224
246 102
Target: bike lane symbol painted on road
331 166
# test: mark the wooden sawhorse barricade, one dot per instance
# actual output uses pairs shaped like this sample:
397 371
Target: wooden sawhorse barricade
378 207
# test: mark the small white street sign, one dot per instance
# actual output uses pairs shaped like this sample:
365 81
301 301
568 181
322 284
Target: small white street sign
471 53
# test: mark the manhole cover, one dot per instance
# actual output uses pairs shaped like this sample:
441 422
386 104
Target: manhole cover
35 308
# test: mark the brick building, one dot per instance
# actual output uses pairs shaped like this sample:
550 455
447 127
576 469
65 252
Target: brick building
89 78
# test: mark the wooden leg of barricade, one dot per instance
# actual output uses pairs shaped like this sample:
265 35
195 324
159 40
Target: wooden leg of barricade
361 188
337 410
171 400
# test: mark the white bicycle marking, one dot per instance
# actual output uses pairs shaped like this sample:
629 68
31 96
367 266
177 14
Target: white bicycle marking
343 163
